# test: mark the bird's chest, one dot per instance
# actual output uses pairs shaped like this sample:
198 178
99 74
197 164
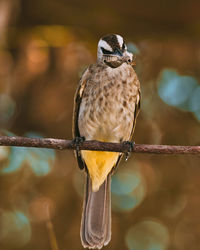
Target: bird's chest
107 109
113 103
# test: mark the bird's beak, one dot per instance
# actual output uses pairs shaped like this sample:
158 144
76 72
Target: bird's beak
127 57
117 58
124 56
118 52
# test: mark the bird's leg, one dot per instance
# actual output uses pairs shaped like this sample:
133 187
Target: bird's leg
130 149
77 141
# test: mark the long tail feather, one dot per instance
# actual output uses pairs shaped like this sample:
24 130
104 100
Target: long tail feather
96 217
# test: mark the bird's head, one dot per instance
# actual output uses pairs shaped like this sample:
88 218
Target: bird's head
112 51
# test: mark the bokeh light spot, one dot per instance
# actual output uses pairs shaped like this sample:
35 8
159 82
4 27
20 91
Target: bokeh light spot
42 209
128 189
125 202
180 91
147 235
125 183
133 48
39 160
15 229
175 89
16 158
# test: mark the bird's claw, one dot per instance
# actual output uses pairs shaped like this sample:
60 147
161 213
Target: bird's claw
77 141
130 149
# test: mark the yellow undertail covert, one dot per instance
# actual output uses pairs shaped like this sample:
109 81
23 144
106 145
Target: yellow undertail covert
99 165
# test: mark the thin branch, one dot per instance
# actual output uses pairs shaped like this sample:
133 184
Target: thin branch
96 145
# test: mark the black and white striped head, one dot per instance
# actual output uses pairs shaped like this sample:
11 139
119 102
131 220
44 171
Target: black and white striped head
112 51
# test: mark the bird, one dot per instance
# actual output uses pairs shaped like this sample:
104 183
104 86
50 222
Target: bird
106 105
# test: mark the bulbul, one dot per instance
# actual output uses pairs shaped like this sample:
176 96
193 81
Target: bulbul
106 106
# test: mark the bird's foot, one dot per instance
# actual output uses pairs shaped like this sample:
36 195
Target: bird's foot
77 141
129 150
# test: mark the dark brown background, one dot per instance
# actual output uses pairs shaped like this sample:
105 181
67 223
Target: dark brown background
44 48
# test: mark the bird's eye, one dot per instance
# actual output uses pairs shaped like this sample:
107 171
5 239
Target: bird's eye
105 51
123 46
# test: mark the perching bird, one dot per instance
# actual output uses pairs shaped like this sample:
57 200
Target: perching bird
107 103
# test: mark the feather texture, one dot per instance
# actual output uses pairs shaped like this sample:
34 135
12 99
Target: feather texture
96 217
106 106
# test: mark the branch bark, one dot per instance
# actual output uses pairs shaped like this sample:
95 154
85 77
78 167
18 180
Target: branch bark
96 146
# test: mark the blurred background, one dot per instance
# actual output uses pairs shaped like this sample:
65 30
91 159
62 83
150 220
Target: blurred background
44 47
